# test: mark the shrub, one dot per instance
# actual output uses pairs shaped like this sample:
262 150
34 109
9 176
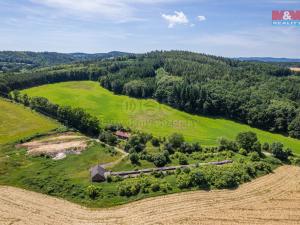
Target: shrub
159 160
155 187
266 147
246 140
165 187
186 170
93 191
183 160
155 141
108 137
198 179
129 188
176 140
134 158
225 144
178 171
183 180
254 156
157 174
279 152
242 151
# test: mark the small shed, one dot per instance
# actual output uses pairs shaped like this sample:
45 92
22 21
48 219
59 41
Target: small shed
97 174
122 134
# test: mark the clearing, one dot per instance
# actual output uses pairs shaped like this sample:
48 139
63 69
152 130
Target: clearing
148 115
57 145
295 69
270 200
19 122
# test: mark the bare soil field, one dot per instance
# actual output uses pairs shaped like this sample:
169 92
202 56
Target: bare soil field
270 200
57 146
296 69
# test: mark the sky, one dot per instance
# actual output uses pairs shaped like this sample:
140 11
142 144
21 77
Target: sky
231 28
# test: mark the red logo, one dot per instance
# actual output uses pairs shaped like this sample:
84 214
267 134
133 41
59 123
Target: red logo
286 15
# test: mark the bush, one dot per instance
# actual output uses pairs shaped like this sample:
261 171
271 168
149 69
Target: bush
176 140
93 191
266 147
155 187
108 138
129 188
155 142
183 160
254 156
243 152
165 187
159 160
247 141
134 158
157 174
198 179
225 144
183 180
279 152
186 170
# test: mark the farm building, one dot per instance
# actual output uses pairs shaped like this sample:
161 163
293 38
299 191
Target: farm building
123 135
97 174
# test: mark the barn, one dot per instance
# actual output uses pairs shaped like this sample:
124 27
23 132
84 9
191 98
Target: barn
97 174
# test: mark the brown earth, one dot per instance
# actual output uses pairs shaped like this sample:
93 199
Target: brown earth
270 200
56 144
296 69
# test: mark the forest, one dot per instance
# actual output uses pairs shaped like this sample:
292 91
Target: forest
263 95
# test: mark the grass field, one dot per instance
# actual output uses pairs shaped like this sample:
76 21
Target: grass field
18 122
148 115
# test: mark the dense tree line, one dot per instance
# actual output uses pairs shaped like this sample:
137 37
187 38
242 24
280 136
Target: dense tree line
263 95
72 117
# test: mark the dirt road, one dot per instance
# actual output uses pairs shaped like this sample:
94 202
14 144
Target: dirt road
270 200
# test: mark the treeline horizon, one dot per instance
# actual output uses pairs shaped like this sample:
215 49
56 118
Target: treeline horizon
263 95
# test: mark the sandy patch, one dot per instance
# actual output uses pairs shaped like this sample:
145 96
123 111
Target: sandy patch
57 146
296 69
270 200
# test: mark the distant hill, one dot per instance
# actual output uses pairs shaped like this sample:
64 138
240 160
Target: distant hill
86 56
267 59
15 61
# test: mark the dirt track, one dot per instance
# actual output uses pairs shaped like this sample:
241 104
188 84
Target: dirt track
270 200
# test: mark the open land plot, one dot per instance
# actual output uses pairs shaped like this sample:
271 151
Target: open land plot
270 200
56 146
17 122
149 115
296 69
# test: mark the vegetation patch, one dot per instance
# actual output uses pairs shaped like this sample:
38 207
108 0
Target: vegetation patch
18 122
148 115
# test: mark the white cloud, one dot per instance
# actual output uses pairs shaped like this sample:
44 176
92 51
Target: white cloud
120 10
177 18
201 18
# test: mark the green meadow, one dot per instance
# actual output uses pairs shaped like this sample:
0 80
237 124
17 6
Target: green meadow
148 115
17 122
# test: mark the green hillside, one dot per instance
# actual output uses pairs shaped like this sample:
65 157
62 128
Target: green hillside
148 115
18 122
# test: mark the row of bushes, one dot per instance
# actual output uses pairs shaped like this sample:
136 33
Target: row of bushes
227 176
142 184
71 117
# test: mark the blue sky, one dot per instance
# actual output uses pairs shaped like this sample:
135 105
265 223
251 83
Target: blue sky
220 27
